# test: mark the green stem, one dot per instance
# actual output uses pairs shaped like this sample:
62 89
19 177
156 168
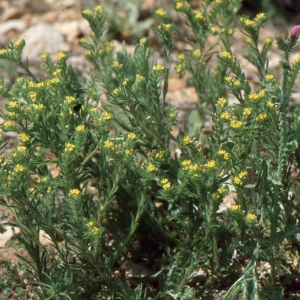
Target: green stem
90 156
279 188
20 63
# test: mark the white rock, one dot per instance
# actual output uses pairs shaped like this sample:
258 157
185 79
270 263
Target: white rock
43 38
7 235
14 24
73 29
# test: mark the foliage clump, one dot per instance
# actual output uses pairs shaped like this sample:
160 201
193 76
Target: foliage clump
128 218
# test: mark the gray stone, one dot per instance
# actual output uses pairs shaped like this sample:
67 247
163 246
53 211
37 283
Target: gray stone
14 24
43 38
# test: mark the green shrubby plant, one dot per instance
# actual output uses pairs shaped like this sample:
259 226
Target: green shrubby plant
127 19
209 31
126 217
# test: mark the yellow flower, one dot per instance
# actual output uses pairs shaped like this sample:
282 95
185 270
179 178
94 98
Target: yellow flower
225 115
125 81
117 65
270 77
224 154
247 22
296 60
247 112
151 168
8 124
251 217
236 124
43 179
262 93
156 154
54 81
268 40
187 140
165 184
109 46
261 117
19 168
69 147
222 102
57 72
180 56
3 51
214 30
83 40
226 54
159 68
253 97
32 95
95 230
143 41
228 79
199 16
211 164
160 12
12 104
37 106
128 152
260 16
139 77
193 167
108 144
179 5
107 116
196 53
74 192
61 55
98 8
90 224
179 68
234 207
17 43
131 136
168 26
24 137
87 12
21 148
116 91
40 84
69 99
80 127
270 104
223 190
11 114
242 175
236 180
186 163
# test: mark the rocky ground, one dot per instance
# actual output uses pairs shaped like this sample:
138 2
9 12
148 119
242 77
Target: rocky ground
55 25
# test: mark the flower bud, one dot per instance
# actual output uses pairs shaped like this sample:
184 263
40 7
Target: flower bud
295 32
